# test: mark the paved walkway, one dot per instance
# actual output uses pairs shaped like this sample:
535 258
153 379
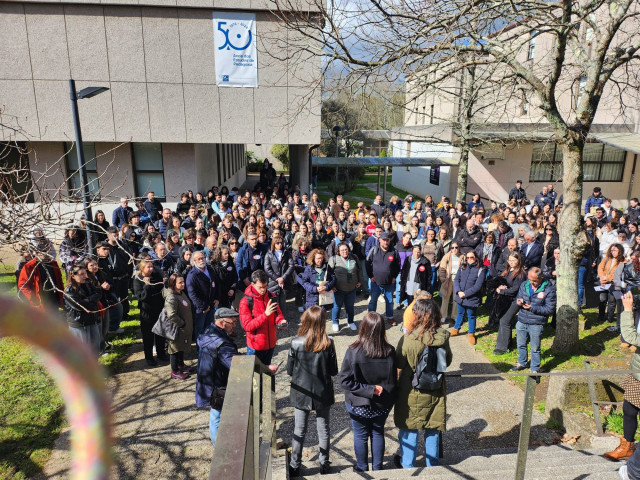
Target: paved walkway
160 434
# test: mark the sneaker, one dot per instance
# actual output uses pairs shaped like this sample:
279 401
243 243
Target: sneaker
622 471
518 368
294 472
353 326
117 332
613 329
397 461
400 307
381 299
443 321
336 327
301 309
324 468
179 375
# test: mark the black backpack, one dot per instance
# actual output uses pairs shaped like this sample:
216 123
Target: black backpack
426 376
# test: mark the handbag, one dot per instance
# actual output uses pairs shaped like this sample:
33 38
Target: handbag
217 397
164 327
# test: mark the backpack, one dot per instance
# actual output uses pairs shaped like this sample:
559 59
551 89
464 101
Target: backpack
427 375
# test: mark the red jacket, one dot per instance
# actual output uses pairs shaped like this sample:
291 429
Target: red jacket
30 283
261 329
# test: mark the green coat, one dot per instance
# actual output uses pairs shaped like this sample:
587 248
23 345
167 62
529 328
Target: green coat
415 409
630 335
178 309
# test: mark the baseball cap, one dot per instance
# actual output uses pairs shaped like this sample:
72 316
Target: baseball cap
385 236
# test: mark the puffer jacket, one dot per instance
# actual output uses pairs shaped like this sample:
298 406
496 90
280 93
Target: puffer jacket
311 372
310 283
416 409
178 308
260 328
543 303
469 280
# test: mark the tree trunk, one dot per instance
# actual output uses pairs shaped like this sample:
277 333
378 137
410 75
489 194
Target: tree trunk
572 246
465 117
463 168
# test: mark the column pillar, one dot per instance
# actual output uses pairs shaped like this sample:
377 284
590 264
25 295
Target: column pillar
299 166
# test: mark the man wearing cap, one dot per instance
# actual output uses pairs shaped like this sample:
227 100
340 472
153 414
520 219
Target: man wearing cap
594 201
134 221
216 350
383 266
518 193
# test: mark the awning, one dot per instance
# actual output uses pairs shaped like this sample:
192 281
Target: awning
624 141
382 162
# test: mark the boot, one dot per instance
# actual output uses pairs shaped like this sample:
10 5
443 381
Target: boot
471 338
454 332
622 451
624 345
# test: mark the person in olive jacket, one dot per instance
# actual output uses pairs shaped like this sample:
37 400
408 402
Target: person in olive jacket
312 362
178 308
368 378
467 291
416 410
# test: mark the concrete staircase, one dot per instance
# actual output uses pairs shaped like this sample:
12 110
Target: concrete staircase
548 462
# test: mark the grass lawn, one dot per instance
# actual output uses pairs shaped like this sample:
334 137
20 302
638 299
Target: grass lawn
31 409
361 190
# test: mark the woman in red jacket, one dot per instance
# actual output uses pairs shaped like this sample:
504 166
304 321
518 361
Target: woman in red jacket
40 281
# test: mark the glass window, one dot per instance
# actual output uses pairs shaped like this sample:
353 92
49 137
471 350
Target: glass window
532 45
74 179
601 163
149 172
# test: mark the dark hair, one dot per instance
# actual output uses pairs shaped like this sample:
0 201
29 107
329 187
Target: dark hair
372 337
427 318
171 283
259 276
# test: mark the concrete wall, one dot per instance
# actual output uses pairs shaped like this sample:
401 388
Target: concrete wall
159 66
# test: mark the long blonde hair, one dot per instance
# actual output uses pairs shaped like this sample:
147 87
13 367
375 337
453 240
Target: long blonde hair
313 325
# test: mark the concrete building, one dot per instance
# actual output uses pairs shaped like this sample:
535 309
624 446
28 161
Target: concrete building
164 124
513 138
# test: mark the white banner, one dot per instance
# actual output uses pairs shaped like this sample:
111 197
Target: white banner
234 39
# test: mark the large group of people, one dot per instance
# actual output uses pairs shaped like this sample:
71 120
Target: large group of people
229 255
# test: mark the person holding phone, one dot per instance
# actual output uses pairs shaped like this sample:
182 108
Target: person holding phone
260 315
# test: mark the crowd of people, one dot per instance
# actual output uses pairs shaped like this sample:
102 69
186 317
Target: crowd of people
229 255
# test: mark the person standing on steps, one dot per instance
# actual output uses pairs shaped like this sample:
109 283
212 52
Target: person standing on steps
383 266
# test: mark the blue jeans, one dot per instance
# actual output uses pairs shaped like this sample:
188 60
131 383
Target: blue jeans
202 321
398 289
582 273
89 335
214 423
365 429
346 298
115 316
434 279
471 316
387 291
534 332
264 356
408 440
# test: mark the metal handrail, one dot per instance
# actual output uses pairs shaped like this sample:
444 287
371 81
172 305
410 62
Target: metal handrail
246 441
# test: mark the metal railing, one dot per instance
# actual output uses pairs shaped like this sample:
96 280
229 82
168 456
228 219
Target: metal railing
246 441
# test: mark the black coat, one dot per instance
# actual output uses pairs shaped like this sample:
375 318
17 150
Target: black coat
360 374
311 372
423 275
81 305
276 269
149 297
321 240
226 278
469 240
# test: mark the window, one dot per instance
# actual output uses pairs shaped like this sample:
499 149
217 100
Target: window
532 45
147 165
581 85
73 169
601 163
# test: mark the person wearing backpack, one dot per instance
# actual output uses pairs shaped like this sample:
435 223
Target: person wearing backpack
418 410
216 350
467 288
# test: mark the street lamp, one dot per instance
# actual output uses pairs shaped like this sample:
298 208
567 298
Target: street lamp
336 131
84 93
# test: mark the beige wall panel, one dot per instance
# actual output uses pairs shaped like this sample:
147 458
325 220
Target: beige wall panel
130 112
46 161
161 45
164 3
202 107
179 169
304 116
166 112
270 105
196 46
96 114
272 51
115 170
125 45
206 166
232 4
14 47
87 43
237 115
54 110
304 67
18 105
195 3
47 41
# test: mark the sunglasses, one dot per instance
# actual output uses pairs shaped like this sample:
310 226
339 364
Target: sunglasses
455 248
471 257
233 243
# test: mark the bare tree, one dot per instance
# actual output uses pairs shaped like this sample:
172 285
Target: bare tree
560 59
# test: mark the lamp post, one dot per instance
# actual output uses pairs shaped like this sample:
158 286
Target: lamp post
84 93
336 131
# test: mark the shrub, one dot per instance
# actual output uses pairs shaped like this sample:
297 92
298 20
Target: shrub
281 153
